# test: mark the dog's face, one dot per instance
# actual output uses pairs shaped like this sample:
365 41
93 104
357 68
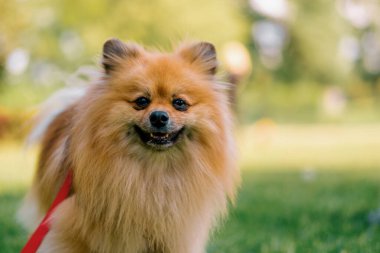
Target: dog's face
162 99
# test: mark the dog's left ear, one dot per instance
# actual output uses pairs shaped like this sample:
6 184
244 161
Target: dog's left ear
201 55
114 51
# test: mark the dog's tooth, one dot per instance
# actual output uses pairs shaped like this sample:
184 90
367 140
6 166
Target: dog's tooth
151 135
166 135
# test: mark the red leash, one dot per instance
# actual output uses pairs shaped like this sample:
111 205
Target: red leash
39 234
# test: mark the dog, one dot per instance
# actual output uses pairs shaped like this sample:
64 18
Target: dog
152 152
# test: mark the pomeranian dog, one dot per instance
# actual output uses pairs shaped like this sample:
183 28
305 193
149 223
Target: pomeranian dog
152 152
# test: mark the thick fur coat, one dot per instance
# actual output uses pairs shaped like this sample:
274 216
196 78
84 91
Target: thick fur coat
127 195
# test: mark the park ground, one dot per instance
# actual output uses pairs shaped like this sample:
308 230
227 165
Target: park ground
305 188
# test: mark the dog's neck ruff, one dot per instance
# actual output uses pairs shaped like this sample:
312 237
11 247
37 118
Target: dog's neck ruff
39 234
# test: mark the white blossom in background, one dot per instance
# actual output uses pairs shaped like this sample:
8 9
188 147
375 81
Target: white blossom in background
17 61
277 9
371 52
349 48
359 13
270 38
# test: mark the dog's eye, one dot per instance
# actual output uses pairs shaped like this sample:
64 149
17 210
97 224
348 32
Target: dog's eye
142 103
180 104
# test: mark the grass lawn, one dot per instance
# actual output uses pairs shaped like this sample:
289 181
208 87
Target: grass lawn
284 212
285 204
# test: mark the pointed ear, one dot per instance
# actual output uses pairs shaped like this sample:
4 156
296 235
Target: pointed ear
201 55
115 50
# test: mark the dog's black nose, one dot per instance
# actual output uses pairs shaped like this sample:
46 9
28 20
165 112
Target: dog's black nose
159 118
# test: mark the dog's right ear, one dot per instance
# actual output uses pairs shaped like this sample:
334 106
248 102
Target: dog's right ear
115 51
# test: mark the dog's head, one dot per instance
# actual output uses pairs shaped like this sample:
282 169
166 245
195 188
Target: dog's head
161 100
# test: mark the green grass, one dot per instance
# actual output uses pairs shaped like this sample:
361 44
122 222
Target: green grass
280 211
303 191
16 169
12 236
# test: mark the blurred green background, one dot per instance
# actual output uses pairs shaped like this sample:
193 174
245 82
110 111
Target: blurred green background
308 88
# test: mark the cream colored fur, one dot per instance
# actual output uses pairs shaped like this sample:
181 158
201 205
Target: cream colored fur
128 198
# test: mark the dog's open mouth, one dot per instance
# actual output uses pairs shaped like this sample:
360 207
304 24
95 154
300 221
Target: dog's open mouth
158 139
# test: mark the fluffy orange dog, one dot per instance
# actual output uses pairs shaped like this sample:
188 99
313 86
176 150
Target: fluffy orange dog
152 153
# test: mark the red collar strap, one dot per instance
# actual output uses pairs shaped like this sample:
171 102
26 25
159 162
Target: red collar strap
39 234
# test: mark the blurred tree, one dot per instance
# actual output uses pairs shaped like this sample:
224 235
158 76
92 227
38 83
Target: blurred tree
311 32
293 42
71 32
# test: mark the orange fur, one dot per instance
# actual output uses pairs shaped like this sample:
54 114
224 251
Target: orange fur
128 197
